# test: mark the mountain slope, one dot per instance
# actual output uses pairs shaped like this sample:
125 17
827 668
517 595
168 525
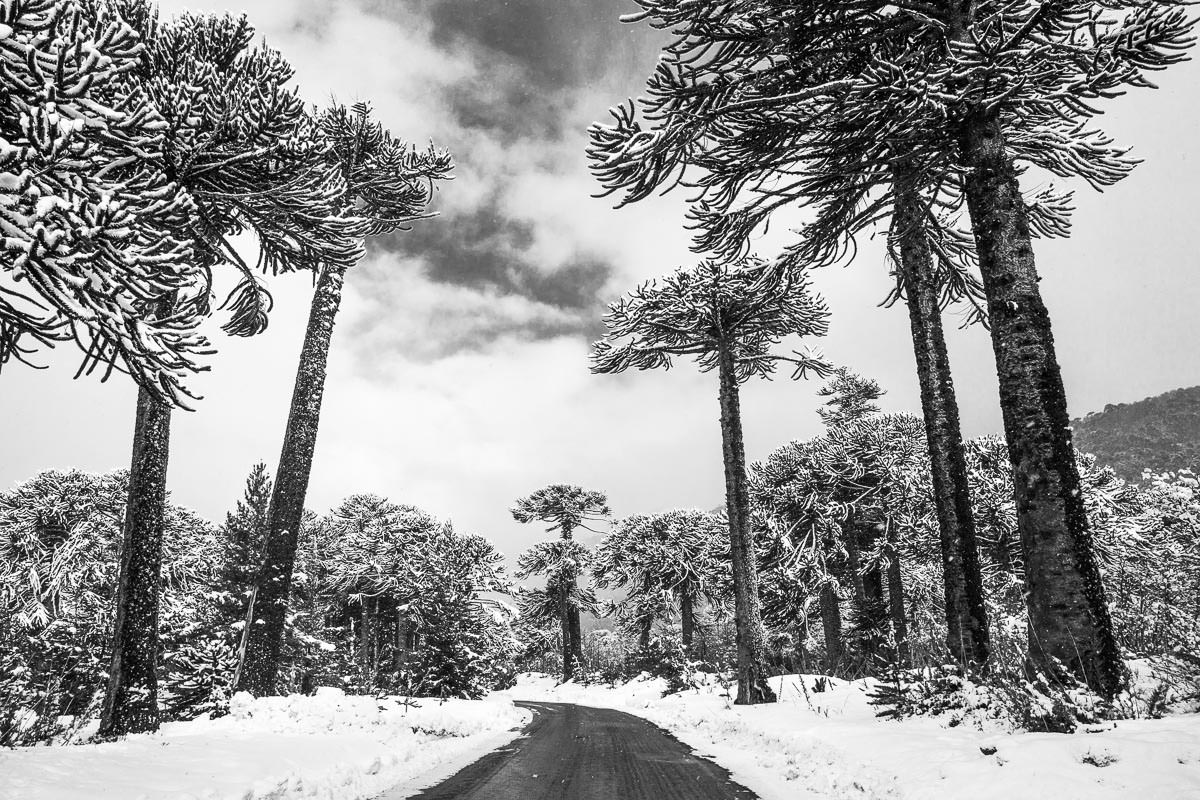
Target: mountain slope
1159 433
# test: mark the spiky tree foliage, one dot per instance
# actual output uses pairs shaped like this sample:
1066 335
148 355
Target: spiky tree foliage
566 508
1145 545
960 95
242 538
60 534
728 317
239 141
388 184
680 556
563 600
851 398
201 680
841 511
1152 564
709 107
89 212
396 575
466 650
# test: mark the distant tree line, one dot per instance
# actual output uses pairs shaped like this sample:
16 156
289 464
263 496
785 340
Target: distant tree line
386 598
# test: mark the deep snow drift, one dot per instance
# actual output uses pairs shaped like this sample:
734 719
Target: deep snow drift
323 747
830 745
826 745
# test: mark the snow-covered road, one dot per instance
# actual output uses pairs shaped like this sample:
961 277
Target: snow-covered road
829 745
328 747
573 752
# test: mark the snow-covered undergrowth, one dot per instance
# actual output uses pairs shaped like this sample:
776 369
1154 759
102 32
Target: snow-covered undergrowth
830 745
327 746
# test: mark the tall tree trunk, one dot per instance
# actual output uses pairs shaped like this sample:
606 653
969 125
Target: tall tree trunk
896 606
644 634
831 624
398 642
1068 613
854 561
131 700
364 645
871 614
801 650
751 647
966 616
576 637
568 648
291 485
687 618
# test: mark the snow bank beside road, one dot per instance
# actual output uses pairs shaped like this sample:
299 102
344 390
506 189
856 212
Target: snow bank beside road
323 747
831 745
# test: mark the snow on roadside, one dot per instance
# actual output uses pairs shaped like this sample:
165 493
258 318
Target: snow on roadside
830 745
318 748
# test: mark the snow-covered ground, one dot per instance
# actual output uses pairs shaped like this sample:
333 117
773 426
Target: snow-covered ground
826 745
830 745
323 747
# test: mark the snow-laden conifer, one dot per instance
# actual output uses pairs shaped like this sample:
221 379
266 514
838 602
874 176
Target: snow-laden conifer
841 103
414 592
60 537
729 317
242 145
563 561
665 563
90 213
386 184
839 512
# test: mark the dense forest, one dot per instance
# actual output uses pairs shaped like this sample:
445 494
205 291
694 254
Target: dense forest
1011 575
1160 434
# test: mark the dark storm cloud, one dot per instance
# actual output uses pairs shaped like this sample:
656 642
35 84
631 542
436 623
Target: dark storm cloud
536 54
511 296
482 248
454 334
559 44
508 110
534 61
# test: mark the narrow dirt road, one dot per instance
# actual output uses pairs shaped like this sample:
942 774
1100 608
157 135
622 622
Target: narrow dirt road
572 752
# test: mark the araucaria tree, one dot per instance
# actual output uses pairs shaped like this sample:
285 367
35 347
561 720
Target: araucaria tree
709 103
660 559
844 510
239 142
948 101
387 184
87 208
728 317
562 560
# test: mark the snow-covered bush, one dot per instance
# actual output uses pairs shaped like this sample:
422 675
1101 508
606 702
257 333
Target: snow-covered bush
59 542
401 597
465 651
851 573
199 679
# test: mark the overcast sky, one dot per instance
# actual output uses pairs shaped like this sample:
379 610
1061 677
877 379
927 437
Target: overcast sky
458 375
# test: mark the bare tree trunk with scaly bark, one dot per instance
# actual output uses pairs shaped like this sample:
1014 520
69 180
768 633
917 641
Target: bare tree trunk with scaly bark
687 617
966 617
576 636
831 625
291 485
568 639
896 606
1069 621
751 647
131 700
